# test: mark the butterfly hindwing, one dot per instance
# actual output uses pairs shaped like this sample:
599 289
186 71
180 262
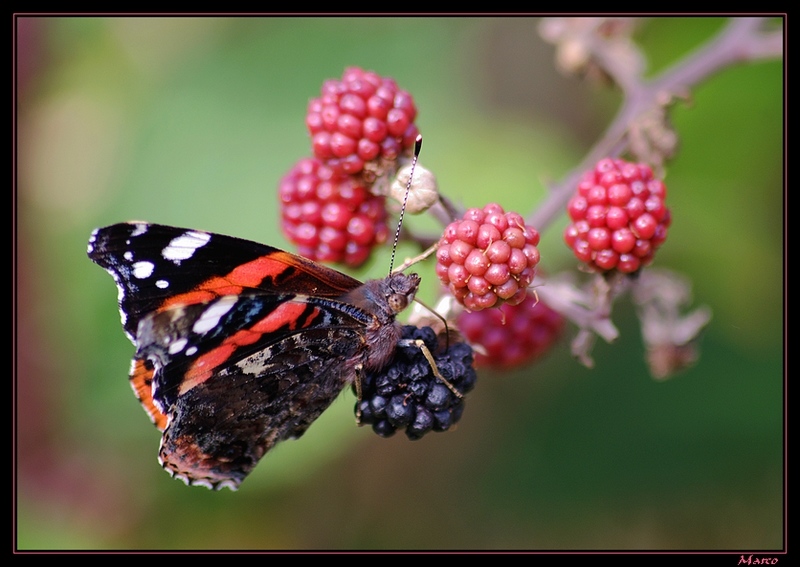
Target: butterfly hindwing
247 390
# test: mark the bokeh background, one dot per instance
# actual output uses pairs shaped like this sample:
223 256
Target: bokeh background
192 121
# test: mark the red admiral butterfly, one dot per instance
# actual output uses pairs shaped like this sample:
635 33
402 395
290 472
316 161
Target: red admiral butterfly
240 345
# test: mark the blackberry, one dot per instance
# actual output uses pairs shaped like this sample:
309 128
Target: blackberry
488 257
512 335
330 217
407 395
618 217
361 123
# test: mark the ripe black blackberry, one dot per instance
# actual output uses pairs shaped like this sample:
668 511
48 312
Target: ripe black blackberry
407 395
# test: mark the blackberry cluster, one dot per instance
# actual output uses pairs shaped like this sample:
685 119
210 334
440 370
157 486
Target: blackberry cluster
407 395
360 121
330 217
618 216
360 125
488 257
512 335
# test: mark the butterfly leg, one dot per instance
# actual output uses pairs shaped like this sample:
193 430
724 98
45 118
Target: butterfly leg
359 373
420 344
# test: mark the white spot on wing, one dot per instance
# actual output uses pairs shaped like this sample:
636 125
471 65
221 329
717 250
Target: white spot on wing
184 246
162 284
228 484
157 402
257 364
177 346
92 239
139 228
143 270
211 316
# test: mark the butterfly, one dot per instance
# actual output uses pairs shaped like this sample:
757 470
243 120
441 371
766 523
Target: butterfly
240 345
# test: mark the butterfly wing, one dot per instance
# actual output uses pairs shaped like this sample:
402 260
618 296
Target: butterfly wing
239 345
227 398
156 266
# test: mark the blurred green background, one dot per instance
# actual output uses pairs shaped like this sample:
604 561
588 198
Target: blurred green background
192 121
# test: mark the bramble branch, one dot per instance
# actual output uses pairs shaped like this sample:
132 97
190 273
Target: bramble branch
741 40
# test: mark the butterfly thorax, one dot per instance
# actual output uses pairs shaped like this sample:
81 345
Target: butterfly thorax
383 299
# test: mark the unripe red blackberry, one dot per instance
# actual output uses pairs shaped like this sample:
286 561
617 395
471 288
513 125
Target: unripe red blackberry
618 216
488 257
513 334
329 216
407 394
362 121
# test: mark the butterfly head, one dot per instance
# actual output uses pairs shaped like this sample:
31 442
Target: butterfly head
400 290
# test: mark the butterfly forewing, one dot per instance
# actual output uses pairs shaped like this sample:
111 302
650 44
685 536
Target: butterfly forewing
155 266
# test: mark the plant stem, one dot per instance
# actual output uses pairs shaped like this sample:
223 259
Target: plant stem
741 40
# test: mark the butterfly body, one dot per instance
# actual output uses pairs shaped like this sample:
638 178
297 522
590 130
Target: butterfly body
240 345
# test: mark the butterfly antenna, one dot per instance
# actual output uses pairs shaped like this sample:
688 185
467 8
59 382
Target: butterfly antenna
417 148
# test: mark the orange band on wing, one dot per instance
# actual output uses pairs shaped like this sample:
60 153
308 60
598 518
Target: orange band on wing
141 382
202 368
250 274
205 365
253 273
